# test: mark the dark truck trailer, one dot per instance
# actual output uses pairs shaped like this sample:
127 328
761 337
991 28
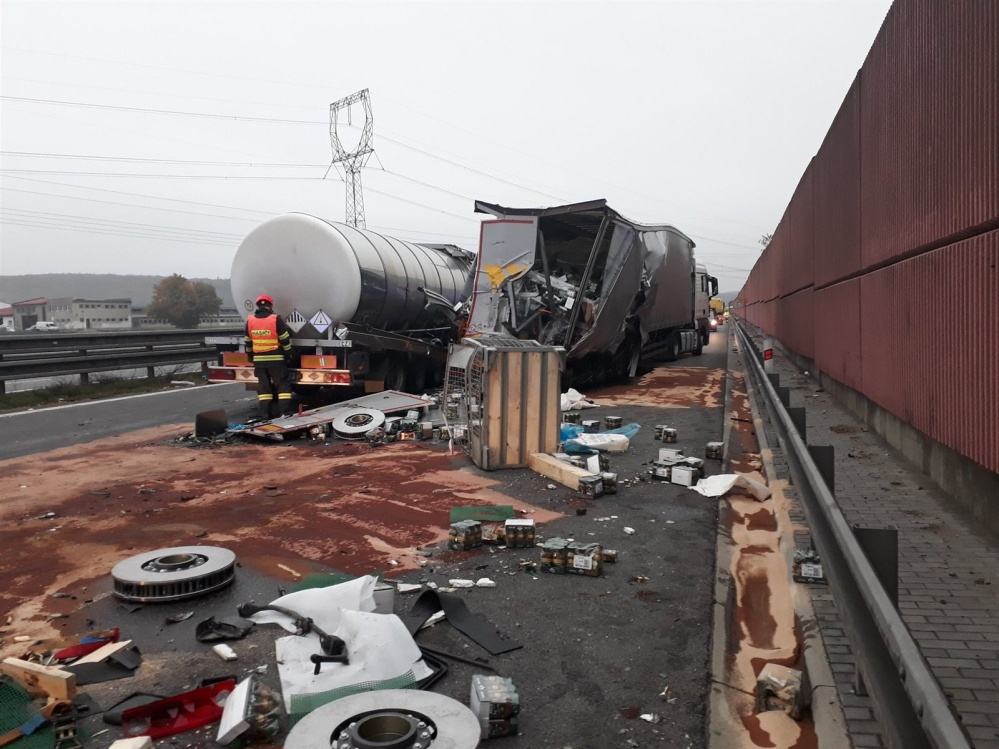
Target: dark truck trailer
357 303
610 291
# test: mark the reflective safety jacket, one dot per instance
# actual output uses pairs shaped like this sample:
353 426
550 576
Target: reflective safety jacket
267 338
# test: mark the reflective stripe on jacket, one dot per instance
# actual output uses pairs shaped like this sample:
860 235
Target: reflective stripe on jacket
263 335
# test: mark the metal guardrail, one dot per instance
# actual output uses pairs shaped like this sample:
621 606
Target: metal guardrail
912 708
29 355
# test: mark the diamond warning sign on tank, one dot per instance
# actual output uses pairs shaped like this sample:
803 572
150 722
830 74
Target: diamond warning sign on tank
320 321
295 321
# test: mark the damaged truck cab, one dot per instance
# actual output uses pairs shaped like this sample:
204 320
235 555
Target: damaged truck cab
610 291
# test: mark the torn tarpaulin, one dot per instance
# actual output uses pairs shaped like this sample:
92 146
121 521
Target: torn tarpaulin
383 654
474 626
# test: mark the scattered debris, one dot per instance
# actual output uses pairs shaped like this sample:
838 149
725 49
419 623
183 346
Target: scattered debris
496 704
723 483
176 714
630 531
224 652
807 567
177 618
714 450
650 718
217 630
465 535
173 573
485 582
461 583
640 579
780 688
289 570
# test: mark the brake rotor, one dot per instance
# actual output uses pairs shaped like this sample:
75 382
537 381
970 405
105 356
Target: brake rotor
388 719
173 574
356 422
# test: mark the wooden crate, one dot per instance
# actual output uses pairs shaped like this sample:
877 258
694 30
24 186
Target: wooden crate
512 397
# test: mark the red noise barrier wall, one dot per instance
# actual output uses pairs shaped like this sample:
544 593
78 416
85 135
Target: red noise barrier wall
885 267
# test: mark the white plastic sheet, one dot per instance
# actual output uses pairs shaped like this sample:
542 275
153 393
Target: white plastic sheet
612 443
573 400
382 652
717 486
323 605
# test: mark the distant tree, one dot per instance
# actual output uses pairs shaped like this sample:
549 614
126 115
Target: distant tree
208 301
765 239
181 302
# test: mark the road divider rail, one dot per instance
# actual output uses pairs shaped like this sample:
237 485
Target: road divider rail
24 356
911 706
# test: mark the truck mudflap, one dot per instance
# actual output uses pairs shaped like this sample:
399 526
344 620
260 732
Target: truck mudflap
314 370
318 377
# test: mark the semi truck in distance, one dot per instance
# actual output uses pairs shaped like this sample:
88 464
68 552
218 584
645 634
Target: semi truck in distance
610 291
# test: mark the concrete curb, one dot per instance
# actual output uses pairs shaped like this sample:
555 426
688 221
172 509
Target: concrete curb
827 713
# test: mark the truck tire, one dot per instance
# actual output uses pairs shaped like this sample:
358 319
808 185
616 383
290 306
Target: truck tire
416 375
699 348
673 347
395 373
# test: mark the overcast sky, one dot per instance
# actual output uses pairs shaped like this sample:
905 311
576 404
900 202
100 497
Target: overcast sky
701 114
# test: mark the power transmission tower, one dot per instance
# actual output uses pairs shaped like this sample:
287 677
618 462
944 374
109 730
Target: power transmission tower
355 159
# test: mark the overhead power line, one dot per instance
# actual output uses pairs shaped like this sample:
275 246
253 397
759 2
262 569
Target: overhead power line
270 120
128 224
76 227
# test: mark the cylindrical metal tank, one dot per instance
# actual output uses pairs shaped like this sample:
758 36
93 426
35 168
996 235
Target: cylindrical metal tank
354 275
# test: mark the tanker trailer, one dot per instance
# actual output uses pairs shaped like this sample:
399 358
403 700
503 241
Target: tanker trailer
608 290
357 303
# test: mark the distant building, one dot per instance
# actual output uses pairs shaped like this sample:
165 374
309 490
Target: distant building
6 317
90 314
29 312
227 317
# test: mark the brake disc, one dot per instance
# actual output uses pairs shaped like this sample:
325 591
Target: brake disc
173 574
388 719
356 422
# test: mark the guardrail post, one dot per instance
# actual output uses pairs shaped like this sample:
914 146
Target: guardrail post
84 376
784 394
880 546
825 460
150 370
798 417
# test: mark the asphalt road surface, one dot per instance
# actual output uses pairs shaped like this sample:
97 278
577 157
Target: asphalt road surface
597 652
40 429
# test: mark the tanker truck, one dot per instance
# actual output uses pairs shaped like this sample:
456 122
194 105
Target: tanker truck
610 291
356 302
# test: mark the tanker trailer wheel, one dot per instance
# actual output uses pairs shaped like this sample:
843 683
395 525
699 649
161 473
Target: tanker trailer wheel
395 372
416 375
673 347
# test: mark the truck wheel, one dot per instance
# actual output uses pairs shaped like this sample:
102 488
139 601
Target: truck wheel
673 347
699 347
395 373
416 375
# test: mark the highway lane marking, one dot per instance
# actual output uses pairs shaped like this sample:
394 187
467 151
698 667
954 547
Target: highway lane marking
112 400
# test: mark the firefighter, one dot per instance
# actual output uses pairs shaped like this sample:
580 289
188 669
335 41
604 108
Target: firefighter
268 345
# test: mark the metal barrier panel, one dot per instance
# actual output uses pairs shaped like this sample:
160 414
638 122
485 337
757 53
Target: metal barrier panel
836 318
836 189
936 365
